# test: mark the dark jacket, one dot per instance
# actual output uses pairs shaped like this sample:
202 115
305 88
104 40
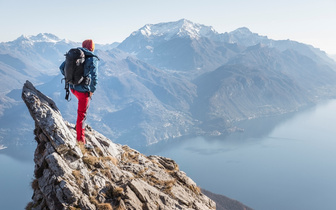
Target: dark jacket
90 70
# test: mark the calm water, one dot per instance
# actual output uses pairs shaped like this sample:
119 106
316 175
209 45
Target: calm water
16 174
277 164
286 163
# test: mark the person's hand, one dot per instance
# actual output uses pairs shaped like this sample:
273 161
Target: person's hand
90 94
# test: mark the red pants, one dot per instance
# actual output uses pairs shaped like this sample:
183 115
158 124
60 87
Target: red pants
83 105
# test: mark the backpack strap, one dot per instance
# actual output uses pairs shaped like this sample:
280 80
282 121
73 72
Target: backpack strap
89 56
67 92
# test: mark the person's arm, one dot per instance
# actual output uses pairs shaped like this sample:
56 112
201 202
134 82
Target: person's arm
94 75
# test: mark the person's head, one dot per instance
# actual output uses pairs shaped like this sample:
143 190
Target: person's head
88 44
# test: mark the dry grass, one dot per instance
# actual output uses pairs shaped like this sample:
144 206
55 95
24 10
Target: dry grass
176 167
141 174
165 185
107 173
34 184
130 155
78 176
90 160
110 159
93 200
82 147
98 151
100 206
118 191
95 192
104 206
195 189
114 192
87 158
155 162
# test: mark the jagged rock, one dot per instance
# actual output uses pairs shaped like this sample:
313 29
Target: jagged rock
111 176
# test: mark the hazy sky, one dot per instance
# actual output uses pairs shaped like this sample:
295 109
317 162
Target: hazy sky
106 21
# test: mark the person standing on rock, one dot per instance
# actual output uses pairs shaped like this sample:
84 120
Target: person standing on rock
85 89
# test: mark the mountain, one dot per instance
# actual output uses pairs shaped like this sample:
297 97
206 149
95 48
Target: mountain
181 45
244 37
107 46
36 58
109 176
187 46
225 203
259 82
31 57
139 101
170 80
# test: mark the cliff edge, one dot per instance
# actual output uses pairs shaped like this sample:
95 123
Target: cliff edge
110 176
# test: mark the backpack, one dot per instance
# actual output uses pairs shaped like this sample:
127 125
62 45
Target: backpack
74 66
74 69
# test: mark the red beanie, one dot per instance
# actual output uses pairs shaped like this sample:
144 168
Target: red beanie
88 44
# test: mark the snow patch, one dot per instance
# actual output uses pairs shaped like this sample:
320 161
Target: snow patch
150 48
146 31
181 28
41 37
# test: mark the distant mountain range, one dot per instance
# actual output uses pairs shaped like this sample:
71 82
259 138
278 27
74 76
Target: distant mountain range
169 80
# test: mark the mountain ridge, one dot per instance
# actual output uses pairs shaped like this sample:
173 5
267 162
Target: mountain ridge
195 46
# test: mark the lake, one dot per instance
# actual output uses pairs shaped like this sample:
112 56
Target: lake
286 162
16 174
278 163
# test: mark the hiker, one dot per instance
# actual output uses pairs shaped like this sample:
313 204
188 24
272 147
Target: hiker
85 89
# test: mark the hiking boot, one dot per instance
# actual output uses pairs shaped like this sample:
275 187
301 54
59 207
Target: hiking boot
88 146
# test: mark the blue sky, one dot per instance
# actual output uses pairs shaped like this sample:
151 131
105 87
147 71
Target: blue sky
106 21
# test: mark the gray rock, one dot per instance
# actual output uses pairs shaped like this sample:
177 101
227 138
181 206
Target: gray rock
68 176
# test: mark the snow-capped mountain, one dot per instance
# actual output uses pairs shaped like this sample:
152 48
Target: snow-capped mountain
187 46
218 80
181 28
42 37
31 57
180 45
34 58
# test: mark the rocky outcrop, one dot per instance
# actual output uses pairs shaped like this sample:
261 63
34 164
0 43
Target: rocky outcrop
110 176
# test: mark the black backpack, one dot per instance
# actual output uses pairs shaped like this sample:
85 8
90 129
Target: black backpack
74 66
74 69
